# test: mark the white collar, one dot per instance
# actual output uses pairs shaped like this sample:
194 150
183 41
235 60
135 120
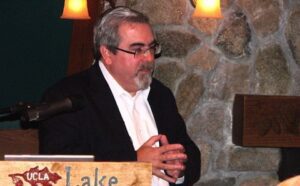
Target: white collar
116 88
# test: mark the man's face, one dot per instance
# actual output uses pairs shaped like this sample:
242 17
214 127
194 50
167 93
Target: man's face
133 72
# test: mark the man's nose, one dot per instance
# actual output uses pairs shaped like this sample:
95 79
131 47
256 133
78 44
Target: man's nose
148 55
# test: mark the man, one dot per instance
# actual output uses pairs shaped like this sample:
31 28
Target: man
128 116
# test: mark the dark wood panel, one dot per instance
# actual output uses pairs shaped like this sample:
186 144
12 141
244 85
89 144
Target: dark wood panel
266 121
18 141
81 46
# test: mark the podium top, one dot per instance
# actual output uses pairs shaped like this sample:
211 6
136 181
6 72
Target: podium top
69 158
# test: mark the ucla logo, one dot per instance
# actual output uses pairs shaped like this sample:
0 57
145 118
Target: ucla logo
35 177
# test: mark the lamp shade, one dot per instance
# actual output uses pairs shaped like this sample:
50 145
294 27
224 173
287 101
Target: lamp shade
75 9
207 8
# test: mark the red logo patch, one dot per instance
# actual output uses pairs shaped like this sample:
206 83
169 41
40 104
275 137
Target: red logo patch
35 176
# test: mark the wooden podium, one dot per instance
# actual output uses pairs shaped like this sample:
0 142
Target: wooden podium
63 173
32 173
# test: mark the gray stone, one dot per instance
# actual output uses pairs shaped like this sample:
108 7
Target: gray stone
208 123
253 159
261 180
206 154
293 33
227 80
225 4
168 73
205 25
222 160
264 15
187 97
272 72
172 11
235 36
218 182
295 90
204 59
176 43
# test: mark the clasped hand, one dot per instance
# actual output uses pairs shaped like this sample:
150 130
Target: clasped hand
167 157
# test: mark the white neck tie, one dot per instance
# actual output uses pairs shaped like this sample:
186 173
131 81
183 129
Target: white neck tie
145 128
143 122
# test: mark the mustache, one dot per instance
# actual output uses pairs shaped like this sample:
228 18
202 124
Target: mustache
146 66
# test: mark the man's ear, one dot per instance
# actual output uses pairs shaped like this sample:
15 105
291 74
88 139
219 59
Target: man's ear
106 54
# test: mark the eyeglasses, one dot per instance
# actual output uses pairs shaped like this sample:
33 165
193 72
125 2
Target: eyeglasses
155 50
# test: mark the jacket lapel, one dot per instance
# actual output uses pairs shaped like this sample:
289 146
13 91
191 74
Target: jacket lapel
155 104
103 101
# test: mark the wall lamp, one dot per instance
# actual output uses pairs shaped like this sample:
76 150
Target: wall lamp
207 8
75 9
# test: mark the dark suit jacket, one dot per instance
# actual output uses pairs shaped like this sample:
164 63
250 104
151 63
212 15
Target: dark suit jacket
99 129
290 163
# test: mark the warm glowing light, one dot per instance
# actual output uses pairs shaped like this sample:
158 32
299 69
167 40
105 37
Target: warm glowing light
76 6
75 9
208 8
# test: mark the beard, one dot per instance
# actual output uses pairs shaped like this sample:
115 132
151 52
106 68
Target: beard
142 79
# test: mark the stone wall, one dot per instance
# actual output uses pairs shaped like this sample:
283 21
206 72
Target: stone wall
254 49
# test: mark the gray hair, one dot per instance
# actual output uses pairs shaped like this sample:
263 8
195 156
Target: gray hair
106 29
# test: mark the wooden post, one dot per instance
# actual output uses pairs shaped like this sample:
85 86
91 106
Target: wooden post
81 46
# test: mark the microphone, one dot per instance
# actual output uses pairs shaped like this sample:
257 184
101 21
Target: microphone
46 110
15 109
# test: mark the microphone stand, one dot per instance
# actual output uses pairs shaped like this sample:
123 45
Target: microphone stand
15 112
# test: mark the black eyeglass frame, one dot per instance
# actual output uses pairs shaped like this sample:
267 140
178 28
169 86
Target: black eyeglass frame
156 47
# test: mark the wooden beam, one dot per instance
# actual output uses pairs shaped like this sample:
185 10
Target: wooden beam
81 46
266 121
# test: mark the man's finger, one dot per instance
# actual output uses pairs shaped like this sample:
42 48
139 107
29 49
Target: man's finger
164 140
151 141
173 156
171 147
175 174
161 175
165 166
